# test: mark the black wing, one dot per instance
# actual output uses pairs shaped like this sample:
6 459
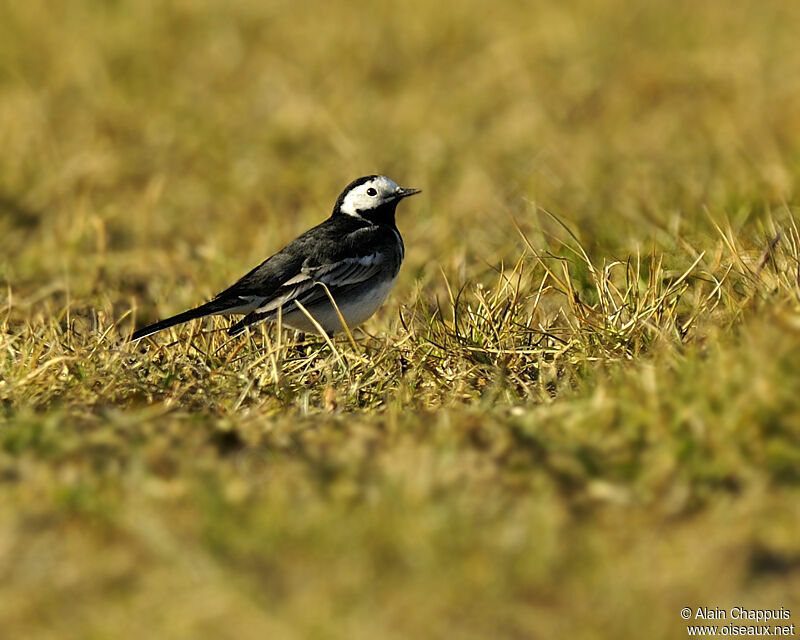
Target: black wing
304 287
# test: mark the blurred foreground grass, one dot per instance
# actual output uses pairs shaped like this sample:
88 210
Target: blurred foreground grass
571 428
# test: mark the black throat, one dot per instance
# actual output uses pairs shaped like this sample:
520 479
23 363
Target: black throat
383 214
380 215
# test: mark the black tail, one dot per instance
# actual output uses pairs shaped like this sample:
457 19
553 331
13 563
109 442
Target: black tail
251 318
207 309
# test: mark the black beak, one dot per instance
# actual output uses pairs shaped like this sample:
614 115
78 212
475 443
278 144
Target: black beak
403 192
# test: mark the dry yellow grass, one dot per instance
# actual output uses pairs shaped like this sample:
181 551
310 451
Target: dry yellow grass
576 414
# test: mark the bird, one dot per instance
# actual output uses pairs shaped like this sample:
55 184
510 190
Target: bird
352 257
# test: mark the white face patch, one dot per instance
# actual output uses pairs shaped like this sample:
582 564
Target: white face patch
370 195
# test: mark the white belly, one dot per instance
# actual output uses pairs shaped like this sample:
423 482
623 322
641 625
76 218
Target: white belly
354 310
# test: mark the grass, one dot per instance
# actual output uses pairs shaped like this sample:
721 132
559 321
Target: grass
577 412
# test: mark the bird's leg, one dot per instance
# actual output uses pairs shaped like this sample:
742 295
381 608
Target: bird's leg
300 342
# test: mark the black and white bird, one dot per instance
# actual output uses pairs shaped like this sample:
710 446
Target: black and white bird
353 256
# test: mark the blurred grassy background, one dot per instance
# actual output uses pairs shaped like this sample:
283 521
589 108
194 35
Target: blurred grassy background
154 151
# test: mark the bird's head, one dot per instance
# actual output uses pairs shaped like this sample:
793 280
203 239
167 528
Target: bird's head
373 198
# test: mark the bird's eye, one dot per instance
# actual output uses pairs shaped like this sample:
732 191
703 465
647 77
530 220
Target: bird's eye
372 192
